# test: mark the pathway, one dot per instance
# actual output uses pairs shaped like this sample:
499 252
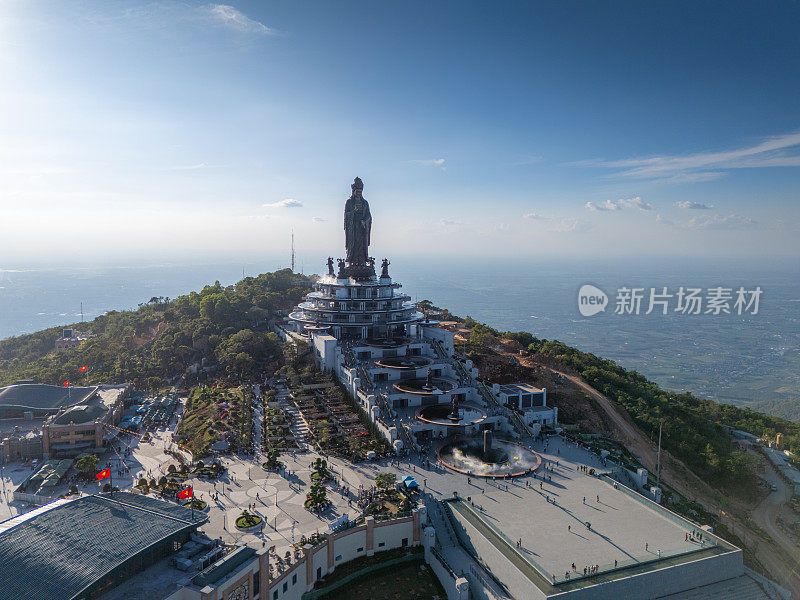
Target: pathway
297 424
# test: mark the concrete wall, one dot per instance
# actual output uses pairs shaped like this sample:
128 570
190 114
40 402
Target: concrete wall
301 575
662 582
519 586
443 336
345 546
456 588
20 448
325 348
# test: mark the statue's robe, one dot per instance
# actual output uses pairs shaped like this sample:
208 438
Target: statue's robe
357 226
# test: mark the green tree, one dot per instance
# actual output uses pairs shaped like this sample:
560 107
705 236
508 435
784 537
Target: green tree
317 496
86 464
386 481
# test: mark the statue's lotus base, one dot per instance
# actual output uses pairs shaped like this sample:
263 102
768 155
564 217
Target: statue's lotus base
358 271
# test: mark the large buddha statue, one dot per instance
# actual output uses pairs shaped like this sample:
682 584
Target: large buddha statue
357 225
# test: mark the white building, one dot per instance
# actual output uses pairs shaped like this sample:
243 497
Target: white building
530 401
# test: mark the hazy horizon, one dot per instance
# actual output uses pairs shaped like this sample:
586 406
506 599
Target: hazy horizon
171 128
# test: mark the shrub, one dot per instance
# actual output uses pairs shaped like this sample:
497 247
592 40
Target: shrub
248 519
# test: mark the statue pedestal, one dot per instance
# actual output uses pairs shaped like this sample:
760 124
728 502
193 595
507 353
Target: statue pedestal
359 270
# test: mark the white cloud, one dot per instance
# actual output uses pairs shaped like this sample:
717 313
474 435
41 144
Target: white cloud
450 223
287 203
532 215
228 16
608 205
778 151
732 221
689 204
318 219
431 162
635 202
614 205
663 220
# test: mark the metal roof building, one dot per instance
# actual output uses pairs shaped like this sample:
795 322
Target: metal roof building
41 399
78 549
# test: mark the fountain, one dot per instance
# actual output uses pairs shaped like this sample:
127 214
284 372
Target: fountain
452 415
403 362
425 387
428 387
488 458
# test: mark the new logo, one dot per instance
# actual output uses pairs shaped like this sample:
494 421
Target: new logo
591 300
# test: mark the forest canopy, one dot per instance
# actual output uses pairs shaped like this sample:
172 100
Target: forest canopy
228 326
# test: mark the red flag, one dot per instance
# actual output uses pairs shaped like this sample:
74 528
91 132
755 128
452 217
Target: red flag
187 493
66 383
105 474
83 368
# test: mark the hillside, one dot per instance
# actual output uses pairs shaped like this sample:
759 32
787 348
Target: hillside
693 428
230 327
225 326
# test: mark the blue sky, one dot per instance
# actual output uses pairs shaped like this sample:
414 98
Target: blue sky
188 129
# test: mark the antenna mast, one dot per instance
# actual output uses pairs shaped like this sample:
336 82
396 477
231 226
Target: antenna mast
292 250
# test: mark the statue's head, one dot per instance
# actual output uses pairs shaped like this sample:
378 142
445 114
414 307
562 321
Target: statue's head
357 187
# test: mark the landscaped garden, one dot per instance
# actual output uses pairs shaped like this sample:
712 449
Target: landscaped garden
337 424
407 580
213 415
410 581
196 504
317 497
272 463
247 520
169 485
388 501
275 428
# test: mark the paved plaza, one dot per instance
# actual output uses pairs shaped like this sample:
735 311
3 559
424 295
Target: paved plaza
545 511
551 520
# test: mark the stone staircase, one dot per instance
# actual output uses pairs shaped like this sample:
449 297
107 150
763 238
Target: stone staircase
449 547
297 425
445 536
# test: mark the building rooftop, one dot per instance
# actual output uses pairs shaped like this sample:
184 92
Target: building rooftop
551 522
39 396
519 388
62 548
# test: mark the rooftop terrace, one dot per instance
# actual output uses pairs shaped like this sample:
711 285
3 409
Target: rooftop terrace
572 517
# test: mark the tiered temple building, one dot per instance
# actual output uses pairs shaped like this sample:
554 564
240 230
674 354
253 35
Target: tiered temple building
362 307
399 365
